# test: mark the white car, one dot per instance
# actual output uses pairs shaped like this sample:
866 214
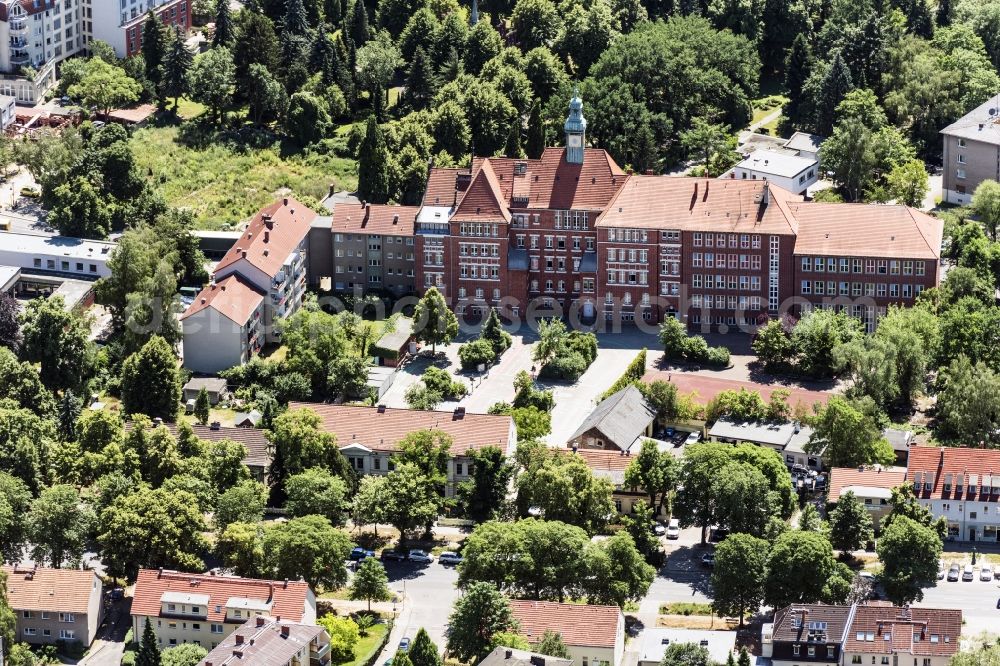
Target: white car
658 529
420 557
693 438
968 573
448 557
673 529
986 573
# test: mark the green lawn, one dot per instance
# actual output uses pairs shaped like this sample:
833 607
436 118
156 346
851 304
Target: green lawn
223 181
368 645
188 109
765 106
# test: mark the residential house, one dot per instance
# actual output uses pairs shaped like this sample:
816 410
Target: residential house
120 24
620 422
215 387
505 656
594 635
247 419
54 605
971 152
259 282
258 448
960 484
369 436
204 609
270 641
873 633
807 634
611 465
872 486
805 145
788 438
656 640
781 167
886 635
374 248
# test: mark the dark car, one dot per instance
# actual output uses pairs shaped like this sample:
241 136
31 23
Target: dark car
719 534
393 555
359 553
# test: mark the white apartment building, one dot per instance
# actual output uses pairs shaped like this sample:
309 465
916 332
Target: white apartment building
231 319
64 256
960 484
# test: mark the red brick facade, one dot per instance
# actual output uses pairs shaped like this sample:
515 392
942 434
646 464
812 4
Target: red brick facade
171 13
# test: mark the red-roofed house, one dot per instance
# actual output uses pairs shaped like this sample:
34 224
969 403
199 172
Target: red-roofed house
594 635
369 436
259 281
880 633
203 609
961 484
373 247
872 487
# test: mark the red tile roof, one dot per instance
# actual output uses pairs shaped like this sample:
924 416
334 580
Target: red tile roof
231 296
872 230
695 204
52 590
844 477
253 439
483 202
552 182
445 186
273 234
931 469
709 387
917 631
287 598
374 219
592 626
382 429
601 460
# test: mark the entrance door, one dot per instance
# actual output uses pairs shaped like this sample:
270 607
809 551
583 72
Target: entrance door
588 309
972 534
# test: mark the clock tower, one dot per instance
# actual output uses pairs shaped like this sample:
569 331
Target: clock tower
576 130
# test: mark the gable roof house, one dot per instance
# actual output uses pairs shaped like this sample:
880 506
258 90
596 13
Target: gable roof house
872 487
204 608
594 635
882 633
369 436
269 641
788 438
54 604
621 421
259 281
808 634
960 484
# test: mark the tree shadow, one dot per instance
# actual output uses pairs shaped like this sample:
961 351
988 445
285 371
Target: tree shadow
684 566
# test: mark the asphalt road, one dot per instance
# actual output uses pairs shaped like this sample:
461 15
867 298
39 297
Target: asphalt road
977 599
430 593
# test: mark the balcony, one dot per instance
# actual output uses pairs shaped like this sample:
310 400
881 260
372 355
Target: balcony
18 25
19 59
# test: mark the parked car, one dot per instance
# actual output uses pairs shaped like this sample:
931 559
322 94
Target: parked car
32 192
953 573
393 555
658 529
358 553
941 571
719 534
692 438
968 573
449 557
708 560
404 645
674 529
420 557
986 573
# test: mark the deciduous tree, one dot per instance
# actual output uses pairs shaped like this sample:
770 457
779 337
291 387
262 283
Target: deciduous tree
151 382
739 575
478 615
370 582
850 524
910 553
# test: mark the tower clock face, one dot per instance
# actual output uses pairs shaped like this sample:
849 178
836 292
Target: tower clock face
574 141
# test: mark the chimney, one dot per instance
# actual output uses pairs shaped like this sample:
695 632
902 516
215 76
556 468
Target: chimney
508 654
331 190
159 572
239 639
395 218
260 621
459 413
286 583
284 630
216 425
381 409
157 421
267 236
537 660
765 195
284 201
244 254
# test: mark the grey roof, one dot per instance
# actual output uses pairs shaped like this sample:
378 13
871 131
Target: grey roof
322 222
210 384
255 441
265 645
776 163
399 336
621 418
754 141
588 262
517 260
720 644
331 201
805 141
799 440
8 276
979 124
505 656
758 432
253 416
899 439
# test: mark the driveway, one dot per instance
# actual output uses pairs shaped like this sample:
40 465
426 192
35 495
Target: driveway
109 646
429 593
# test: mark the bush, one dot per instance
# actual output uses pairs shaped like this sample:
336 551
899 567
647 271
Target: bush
633 373
718 356
440 382
585 344
473 353
566 365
